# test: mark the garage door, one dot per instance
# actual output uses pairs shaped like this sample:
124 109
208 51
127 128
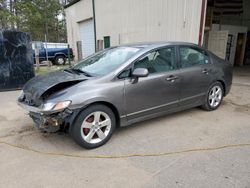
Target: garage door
87 37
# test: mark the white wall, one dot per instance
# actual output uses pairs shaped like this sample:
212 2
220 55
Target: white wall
130 21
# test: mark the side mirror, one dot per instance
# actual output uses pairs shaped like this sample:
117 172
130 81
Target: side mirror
140 72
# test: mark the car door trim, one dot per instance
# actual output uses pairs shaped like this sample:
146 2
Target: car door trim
153 108
163 105
194 96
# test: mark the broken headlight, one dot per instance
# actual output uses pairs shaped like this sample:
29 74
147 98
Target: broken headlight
56 106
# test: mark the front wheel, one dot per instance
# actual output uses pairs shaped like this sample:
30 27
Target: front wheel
214 97
93 126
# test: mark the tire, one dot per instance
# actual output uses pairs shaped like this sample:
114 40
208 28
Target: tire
60 60
213 97
89 132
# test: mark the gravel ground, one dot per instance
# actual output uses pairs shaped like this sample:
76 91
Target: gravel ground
192 148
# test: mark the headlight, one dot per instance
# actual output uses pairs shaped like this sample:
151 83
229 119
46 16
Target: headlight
48 106
61 105
56 106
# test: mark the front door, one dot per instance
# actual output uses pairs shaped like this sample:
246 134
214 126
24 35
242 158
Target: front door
159 91
195 75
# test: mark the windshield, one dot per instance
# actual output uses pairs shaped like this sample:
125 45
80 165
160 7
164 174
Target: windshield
106 61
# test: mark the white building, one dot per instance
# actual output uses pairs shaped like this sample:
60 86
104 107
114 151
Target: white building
97 24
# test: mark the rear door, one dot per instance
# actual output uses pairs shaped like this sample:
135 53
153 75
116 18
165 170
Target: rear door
195 76
159 91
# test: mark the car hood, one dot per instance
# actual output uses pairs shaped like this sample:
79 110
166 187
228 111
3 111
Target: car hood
49 83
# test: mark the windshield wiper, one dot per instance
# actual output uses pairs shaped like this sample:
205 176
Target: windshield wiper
69 70
79 71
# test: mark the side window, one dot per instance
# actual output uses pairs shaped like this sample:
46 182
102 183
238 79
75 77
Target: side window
125 74
190 57
161 60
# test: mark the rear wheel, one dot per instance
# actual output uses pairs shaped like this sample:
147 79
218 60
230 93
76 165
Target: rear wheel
214 97
93 126
60 60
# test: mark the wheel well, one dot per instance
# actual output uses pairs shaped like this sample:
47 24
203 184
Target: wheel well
113 108
60 55
223 85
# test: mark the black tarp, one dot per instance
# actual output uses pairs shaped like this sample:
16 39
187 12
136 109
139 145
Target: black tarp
16 59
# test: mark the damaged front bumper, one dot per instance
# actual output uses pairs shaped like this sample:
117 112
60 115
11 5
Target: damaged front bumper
52 122
49 121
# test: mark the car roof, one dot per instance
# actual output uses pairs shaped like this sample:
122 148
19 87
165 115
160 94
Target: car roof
157 44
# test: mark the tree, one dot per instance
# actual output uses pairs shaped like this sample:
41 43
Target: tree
5 15
36 17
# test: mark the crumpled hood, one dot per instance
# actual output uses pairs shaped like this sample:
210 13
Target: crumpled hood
37 86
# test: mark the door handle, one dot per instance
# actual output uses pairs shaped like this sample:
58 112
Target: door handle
171 78
205 71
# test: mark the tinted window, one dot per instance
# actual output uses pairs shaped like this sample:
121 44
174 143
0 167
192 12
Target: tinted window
125 74
161 60
190 57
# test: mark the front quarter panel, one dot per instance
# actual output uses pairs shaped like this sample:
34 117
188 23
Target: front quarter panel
84 94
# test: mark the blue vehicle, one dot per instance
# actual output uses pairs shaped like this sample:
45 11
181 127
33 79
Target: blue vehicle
57 56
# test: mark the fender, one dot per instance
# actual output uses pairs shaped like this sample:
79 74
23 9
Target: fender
60 53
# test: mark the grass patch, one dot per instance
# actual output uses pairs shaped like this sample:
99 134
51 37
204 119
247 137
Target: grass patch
46 69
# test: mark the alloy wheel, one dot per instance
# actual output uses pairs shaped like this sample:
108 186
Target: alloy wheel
95 127
215 96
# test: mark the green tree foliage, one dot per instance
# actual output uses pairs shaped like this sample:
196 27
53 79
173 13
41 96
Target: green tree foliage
36 17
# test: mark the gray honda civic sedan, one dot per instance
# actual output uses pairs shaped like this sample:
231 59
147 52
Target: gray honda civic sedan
123 85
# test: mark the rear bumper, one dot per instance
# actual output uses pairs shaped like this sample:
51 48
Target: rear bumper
72 56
